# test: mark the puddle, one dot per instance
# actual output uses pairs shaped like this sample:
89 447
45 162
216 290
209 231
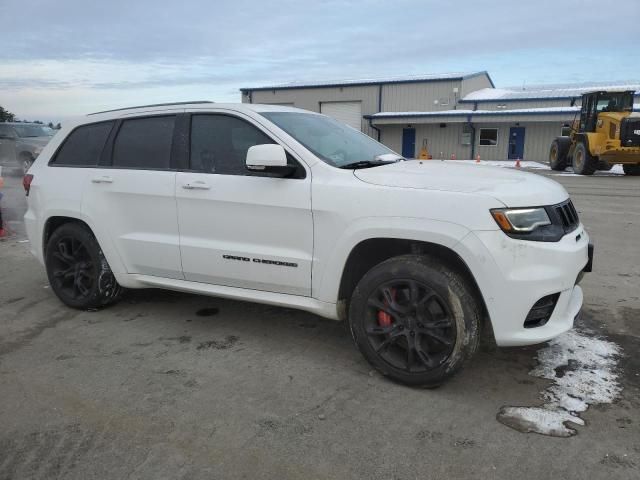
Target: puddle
582 367
207 312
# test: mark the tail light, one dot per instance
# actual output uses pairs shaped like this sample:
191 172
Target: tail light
26 183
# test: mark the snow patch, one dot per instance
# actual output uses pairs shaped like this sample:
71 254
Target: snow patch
583 370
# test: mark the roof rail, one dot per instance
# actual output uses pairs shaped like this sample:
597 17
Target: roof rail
153 105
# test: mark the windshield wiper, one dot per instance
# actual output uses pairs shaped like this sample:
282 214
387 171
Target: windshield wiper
366 164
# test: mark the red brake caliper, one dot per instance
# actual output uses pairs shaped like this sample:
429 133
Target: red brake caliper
384 319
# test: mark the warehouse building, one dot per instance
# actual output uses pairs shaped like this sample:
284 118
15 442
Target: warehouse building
457 115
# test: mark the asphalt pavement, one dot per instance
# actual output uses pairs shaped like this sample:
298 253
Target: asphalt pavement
170 385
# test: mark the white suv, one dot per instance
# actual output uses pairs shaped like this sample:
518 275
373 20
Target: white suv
287 207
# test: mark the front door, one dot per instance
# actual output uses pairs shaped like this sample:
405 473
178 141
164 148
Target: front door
409 142
238 228
516 143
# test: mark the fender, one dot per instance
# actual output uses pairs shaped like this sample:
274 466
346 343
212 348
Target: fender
104 240
331 256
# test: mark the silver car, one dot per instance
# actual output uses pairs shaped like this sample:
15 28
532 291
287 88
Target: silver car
21 143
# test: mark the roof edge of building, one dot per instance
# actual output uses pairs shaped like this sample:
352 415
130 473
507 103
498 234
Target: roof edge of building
371 82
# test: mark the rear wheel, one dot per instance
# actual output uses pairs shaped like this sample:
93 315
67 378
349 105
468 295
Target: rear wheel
583 162
558 153
415 320
77 269
633 170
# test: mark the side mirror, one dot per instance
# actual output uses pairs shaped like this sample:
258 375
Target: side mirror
269 158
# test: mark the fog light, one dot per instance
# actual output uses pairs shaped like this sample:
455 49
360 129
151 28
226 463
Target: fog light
541 312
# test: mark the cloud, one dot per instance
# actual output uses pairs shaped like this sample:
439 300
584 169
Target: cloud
218 46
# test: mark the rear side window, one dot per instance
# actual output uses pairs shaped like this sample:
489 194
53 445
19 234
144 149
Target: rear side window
144 143
83 146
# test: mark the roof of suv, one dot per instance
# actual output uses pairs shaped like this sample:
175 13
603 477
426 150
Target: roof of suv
180 106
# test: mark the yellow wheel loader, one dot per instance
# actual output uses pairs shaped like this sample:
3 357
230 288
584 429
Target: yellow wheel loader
606 133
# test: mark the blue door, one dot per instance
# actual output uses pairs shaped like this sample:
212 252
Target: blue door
409 142
516 143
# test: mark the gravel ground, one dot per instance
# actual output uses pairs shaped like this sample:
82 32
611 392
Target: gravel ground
168 385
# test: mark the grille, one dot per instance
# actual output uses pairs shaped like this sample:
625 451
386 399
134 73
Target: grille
567 215
630 133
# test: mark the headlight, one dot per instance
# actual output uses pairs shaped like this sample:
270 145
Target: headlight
520 220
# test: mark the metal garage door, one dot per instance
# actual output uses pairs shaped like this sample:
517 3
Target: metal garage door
345 112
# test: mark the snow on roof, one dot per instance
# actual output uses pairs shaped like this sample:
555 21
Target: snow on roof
369 81
523 111
514 111
547 91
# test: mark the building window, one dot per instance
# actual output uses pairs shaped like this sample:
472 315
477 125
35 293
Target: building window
488 137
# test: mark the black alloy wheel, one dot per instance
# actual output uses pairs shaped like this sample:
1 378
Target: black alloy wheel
410 326
416 319
78 271
72 268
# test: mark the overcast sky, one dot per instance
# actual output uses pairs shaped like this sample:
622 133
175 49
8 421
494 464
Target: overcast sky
68 57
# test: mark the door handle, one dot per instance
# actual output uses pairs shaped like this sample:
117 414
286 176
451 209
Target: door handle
196 186
103 179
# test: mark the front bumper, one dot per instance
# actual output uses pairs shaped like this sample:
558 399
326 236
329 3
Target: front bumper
514 274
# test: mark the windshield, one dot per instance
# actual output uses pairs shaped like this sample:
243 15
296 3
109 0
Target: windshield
331 141
615 102
30 131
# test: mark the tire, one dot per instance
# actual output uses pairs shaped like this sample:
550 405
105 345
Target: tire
583 162
631 170
417 301
604 166
558 153
77 269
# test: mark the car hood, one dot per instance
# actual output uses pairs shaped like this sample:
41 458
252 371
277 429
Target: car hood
511 187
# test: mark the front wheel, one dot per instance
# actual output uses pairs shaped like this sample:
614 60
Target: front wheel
583 162
632 170
415 320
77 269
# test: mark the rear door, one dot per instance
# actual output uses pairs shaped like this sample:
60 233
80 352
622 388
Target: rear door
240 228
130 196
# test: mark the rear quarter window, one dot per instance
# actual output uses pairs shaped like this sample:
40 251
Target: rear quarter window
144 143
83 146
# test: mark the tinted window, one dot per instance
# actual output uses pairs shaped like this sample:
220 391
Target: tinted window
84 145
144 143
219 144
489 137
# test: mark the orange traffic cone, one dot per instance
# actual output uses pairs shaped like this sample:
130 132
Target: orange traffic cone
517 162
453 156
478 158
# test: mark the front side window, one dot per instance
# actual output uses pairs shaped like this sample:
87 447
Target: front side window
219 144
331 141
489 137
84 145
144 143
